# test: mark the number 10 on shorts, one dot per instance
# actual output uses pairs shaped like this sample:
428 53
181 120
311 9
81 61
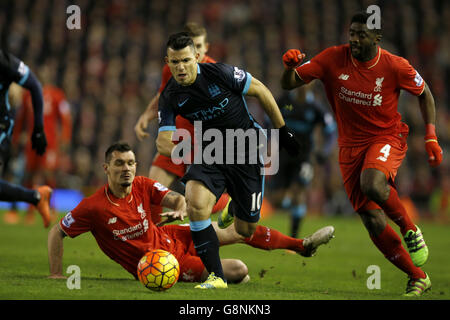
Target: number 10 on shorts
256 201
385 151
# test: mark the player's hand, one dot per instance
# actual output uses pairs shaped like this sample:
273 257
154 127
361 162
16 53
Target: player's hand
38 140
171 216
432 146
289 142
292 58
141 127
434 151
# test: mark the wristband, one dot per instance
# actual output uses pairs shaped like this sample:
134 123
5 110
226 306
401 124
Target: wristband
430 130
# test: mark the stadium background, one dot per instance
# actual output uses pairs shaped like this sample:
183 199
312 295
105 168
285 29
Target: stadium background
110 69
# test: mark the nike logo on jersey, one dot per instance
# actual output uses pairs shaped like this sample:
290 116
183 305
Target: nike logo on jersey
180 104
344 76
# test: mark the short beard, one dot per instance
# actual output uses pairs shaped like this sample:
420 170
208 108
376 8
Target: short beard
125 184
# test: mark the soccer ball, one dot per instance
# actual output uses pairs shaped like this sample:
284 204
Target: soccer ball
158 270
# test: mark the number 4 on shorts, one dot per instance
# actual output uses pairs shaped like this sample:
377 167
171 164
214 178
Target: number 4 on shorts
385 151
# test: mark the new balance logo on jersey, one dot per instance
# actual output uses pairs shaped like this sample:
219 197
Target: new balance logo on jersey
112 220
344 76
377 100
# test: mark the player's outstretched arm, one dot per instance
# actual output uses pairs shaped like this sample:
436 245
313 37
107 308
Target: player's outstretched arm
55 252
291 60
261 92
150 113
428 110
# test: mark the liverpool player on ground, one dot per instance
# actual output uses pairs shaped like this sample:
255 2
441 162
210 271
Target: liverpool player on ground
363 83
118 217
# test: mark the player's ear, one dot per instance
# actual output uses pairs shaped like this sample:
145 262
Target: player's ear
197 55
166 59
206 47
105 167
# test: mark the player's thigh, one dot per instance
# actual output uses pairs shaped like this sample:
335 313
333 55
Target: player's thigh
351 160
162 176
199 199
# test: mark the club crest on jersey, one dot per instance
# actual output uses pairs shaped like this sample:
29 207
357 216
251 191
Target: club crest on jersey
378 84
213 90
343 76
141 210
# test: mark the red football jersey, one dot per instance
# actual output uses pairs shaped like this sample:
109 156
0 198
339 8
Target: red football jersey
57 117
57 127
122 228
363 95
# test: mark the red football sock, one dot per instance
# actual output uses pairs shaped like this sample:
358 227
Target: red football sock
221 203
269 239
155 212
395 210
390 244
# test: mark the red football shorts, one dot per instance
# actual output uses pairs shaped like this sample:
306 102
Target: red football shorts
191 266
166 163
386 155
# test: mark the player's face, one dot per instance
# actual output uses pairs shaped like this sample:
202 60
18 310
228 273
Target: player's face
183 65
201 46
362 41
121 169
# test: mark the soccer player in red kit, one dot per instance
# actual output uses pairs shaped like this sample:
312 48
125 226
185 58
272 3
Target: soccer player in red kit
162 168
119 217
362 83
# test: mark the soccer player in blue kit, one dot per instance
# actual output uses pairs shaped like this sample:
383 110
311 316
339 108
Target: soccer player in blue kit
12 70
214 95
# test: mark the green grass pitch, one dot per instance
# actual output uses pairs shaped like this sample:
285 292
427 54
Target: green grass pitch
337 272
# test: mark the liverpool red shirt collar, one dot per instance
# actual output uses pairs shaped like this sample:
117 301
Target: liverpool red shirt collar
367 64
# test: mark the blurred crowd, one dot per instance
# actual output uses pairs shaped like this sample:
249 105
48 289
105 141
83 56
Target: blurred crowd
110 68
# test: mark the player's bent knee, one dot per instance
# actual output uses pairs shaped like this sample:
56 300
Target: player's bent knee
235 270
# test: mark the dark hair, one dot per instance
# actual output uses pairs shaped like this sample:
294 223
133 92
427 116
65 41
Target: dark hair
194 29
180 41
117 146
362 17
